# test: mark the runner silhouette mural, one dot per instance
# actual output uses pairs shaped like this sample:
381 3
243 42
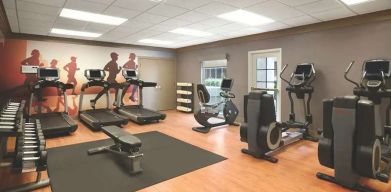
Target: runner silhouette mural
131 64
71 68
33 61
112 68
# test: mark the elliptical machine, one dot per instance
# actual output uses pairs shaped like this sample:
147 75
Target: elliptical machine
209 111
261 130
352 132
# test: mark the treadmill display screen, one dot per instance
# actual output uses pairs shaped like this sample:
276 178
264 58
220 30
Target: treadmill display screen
226 84
306 69
376 67
95 73
43 73
131 73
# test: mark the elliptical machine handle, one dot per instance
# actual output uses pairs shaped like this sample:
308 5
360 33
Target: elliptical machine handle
282 71
314 74
346 74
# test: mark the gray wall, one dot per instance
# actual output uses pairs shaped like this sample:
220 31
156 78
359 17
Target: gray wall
330 50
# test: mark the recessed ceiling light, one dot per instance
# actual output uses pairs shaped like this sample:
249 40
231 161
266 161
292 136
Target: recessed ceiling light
245 17
354 2
191 32
75 33
155 41
91 17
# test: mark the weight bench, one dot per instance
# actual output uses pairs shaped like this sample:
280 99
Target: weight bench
126 147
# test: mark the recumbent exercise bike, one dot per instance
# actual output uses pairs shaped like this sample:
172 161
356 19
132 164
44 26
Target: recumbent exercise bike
209 111
261 131
353 135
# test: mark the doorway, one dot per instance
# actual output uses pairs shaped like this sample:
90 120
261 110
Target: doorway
264 67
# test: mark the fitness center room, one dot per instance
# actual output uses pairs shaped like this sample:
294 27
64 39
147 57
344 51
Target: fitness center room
195 95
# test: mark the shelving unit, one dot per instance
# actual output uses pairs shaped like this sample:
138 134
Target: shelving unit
185 97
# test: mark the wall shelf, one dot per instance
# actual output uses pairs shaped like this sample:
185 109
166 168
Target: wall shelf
185 97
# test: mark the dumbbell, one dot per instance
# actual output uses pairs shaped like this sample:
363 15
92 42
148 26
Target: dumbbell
38 157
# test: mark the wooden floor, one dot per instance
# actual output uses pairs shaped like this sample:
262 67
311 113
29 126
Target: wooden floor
295 171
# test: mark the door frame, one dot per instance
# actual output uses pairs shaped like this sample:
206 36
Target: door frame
251 76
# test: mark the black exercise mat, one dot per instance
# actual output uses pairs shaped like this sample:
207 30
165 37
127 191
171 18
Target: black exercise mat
71 169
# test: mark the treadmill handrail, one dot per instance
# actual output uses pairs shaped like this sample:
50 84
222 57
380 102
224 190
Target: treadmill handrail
41 84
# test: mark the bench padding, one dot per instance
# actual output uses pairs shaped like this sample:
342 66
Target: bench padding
121 136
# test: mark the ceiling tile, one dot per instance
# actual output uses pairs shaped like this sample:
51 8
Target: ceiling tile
188 4
107 2
54 3
38 8
167 10
371 6
275 10
13 21
85 6
98 28
33 23
302 20
241 3
216 8
319 6
140 5
273 26
35 16
64 23
198 26
192 16
121 12
296 2
333 14
136 24
10 12
214 22
9 4
173 23
35 30
150 18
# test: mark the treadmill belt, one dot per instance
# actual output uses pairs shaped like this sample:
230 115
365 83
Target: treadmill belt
72 170
102 115
141 112
52 121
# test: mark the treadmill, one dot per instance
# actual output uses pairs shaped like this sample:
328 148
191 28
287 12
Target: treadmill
52 123
97 118
136 113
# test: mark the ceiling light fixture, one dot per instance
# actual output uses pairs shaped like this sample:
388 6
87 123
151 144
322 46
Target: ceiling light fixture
354 2
191 32
245 17
74 33
91 17
155 41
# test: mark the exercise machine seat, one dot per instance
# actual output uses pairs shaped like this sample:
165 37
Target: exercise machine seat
203 94
122 137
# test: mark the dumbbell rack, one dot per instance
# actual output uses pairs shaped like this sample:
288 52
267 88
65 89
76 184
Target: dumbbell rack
185 97
30 153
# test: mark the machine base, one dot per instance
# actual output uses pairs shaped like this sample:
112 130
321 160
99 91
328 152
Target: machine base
259 156
332 179
202 129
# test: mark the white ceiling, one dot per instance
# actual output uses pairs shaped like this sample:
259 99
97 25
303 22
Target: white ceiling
148 19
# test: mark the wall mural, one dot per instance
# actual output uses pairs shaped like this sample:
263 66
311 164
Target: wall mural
72 60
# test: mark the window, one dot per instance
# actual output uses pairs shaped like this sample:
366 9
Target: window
212 73
266 75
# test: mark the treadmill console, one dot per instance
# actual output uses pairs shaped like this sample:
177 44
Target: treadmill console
95 74
129 73
226 84
29 69
48 74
